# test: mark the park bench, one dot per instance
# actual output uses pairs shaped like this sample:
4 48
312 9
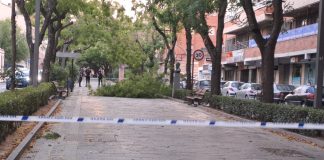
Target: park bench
196 97
60 90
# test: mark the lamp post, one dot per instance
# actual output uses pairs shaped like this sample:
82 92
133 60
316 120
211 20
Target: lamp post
36 44
320 58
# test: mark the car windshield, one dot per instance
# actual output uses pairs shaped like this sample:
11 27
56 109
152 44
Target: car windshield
285 88
256 86
236 84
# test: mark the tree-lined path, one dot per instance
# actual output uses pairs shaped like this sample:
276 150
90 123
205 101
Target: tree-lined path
99 141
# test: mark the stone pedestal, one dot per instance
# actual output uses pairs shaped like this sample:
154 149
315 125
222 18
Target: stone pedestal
176 80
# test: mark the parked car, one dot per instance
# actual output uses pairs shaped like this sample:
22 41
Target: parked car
230 88
222 84
203 84
280 91
249 90
302 95
22 79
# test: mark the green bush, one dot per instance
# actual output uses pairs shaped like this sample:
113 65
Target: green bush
22 102
141 86
266 112
61 74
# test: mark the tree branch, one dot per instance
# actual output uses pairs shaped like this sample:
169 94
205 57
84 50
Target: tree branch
21 6
81 49
253 24
277 22
165 38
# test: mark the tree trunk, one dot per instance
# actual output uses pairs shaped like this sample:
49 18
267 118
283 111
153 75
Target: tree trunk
166 61
13 44
188 64
267 74
217 58
49 53
172 62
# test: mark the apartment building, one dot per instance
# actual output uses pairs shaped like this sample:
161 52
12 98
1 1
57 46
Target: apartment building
197 44
241 59
295 52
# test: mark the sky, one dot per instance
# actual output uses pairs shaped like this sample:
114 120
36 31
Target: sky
128 6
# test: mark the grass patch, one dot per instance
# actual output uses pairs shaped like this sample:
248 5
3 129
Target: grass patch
52 136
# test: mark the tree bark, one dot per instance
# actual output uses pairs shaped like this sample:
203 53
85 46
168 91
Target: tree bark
266 46
13 44
21 4
267 74
214 51
188 64
48 54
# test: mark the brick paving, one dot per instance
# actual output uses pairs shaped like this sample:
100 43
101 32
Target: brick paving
100 141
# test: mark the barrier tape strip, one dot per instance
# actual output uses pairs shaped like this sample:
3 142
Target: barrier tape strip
142 121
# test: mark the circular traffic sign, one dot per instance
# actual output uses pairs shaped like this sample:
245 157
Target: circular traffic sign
198 55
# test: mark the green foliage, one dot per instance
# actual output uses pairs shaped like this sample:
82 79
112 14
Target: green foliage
141 86
52 136
22 102
5 42
58 73
267 112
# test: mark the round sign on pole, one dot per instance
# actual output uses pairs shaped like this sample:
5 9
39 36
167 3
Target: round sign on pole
198 55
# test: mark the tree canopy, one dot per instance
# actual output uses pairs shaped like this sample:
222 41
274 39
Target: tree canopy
5 43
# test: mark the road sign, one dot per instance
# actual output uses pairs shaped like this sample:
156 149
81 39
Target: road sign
198 55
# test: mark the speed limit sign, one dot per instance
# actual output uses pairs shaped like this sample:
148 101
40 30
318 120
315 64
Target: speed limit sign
198 55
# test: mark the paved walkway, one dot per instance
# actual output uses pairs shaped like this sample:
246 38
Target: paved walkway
98 141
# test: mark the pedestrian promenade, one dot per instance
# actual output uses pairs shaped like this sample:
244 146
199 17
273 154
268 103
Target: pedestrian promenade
124 142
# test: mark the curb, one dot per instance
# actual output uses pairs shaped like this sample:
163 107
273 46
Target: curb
17 152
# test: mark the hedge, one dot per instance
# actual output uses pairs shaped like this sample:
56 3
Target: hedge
265 112
22 102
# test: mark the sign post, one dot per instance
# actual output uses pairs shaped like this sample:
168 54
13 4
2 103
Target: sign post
198 55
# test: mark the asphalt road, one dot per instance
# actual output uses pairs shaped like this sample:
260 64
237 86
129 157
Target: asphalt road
129 142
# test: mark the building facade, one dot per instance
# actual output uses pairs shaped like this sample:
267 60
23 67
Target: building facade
295 53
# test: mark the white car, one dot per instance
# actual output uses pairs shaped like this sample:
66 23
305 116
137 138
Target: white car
230 88
249 90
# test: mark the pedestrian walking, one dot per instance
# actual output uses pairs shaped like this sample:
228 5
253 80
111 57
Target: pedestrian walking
100 76
80 77
70 84
88 73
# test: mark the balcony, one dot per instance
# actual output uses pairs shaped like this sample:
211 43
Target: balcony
300 32
237 46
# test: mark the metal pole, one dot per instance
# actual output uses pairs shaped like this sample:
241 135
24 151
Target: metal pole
36 45
320 58
192 76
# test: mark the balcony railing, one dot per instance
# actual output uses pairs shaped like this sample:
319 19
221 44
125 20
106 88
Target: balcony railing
236 46
293 34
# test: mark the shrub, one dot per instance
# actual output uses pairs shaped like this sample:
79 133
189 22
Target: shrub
22 102
141 86
266 112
